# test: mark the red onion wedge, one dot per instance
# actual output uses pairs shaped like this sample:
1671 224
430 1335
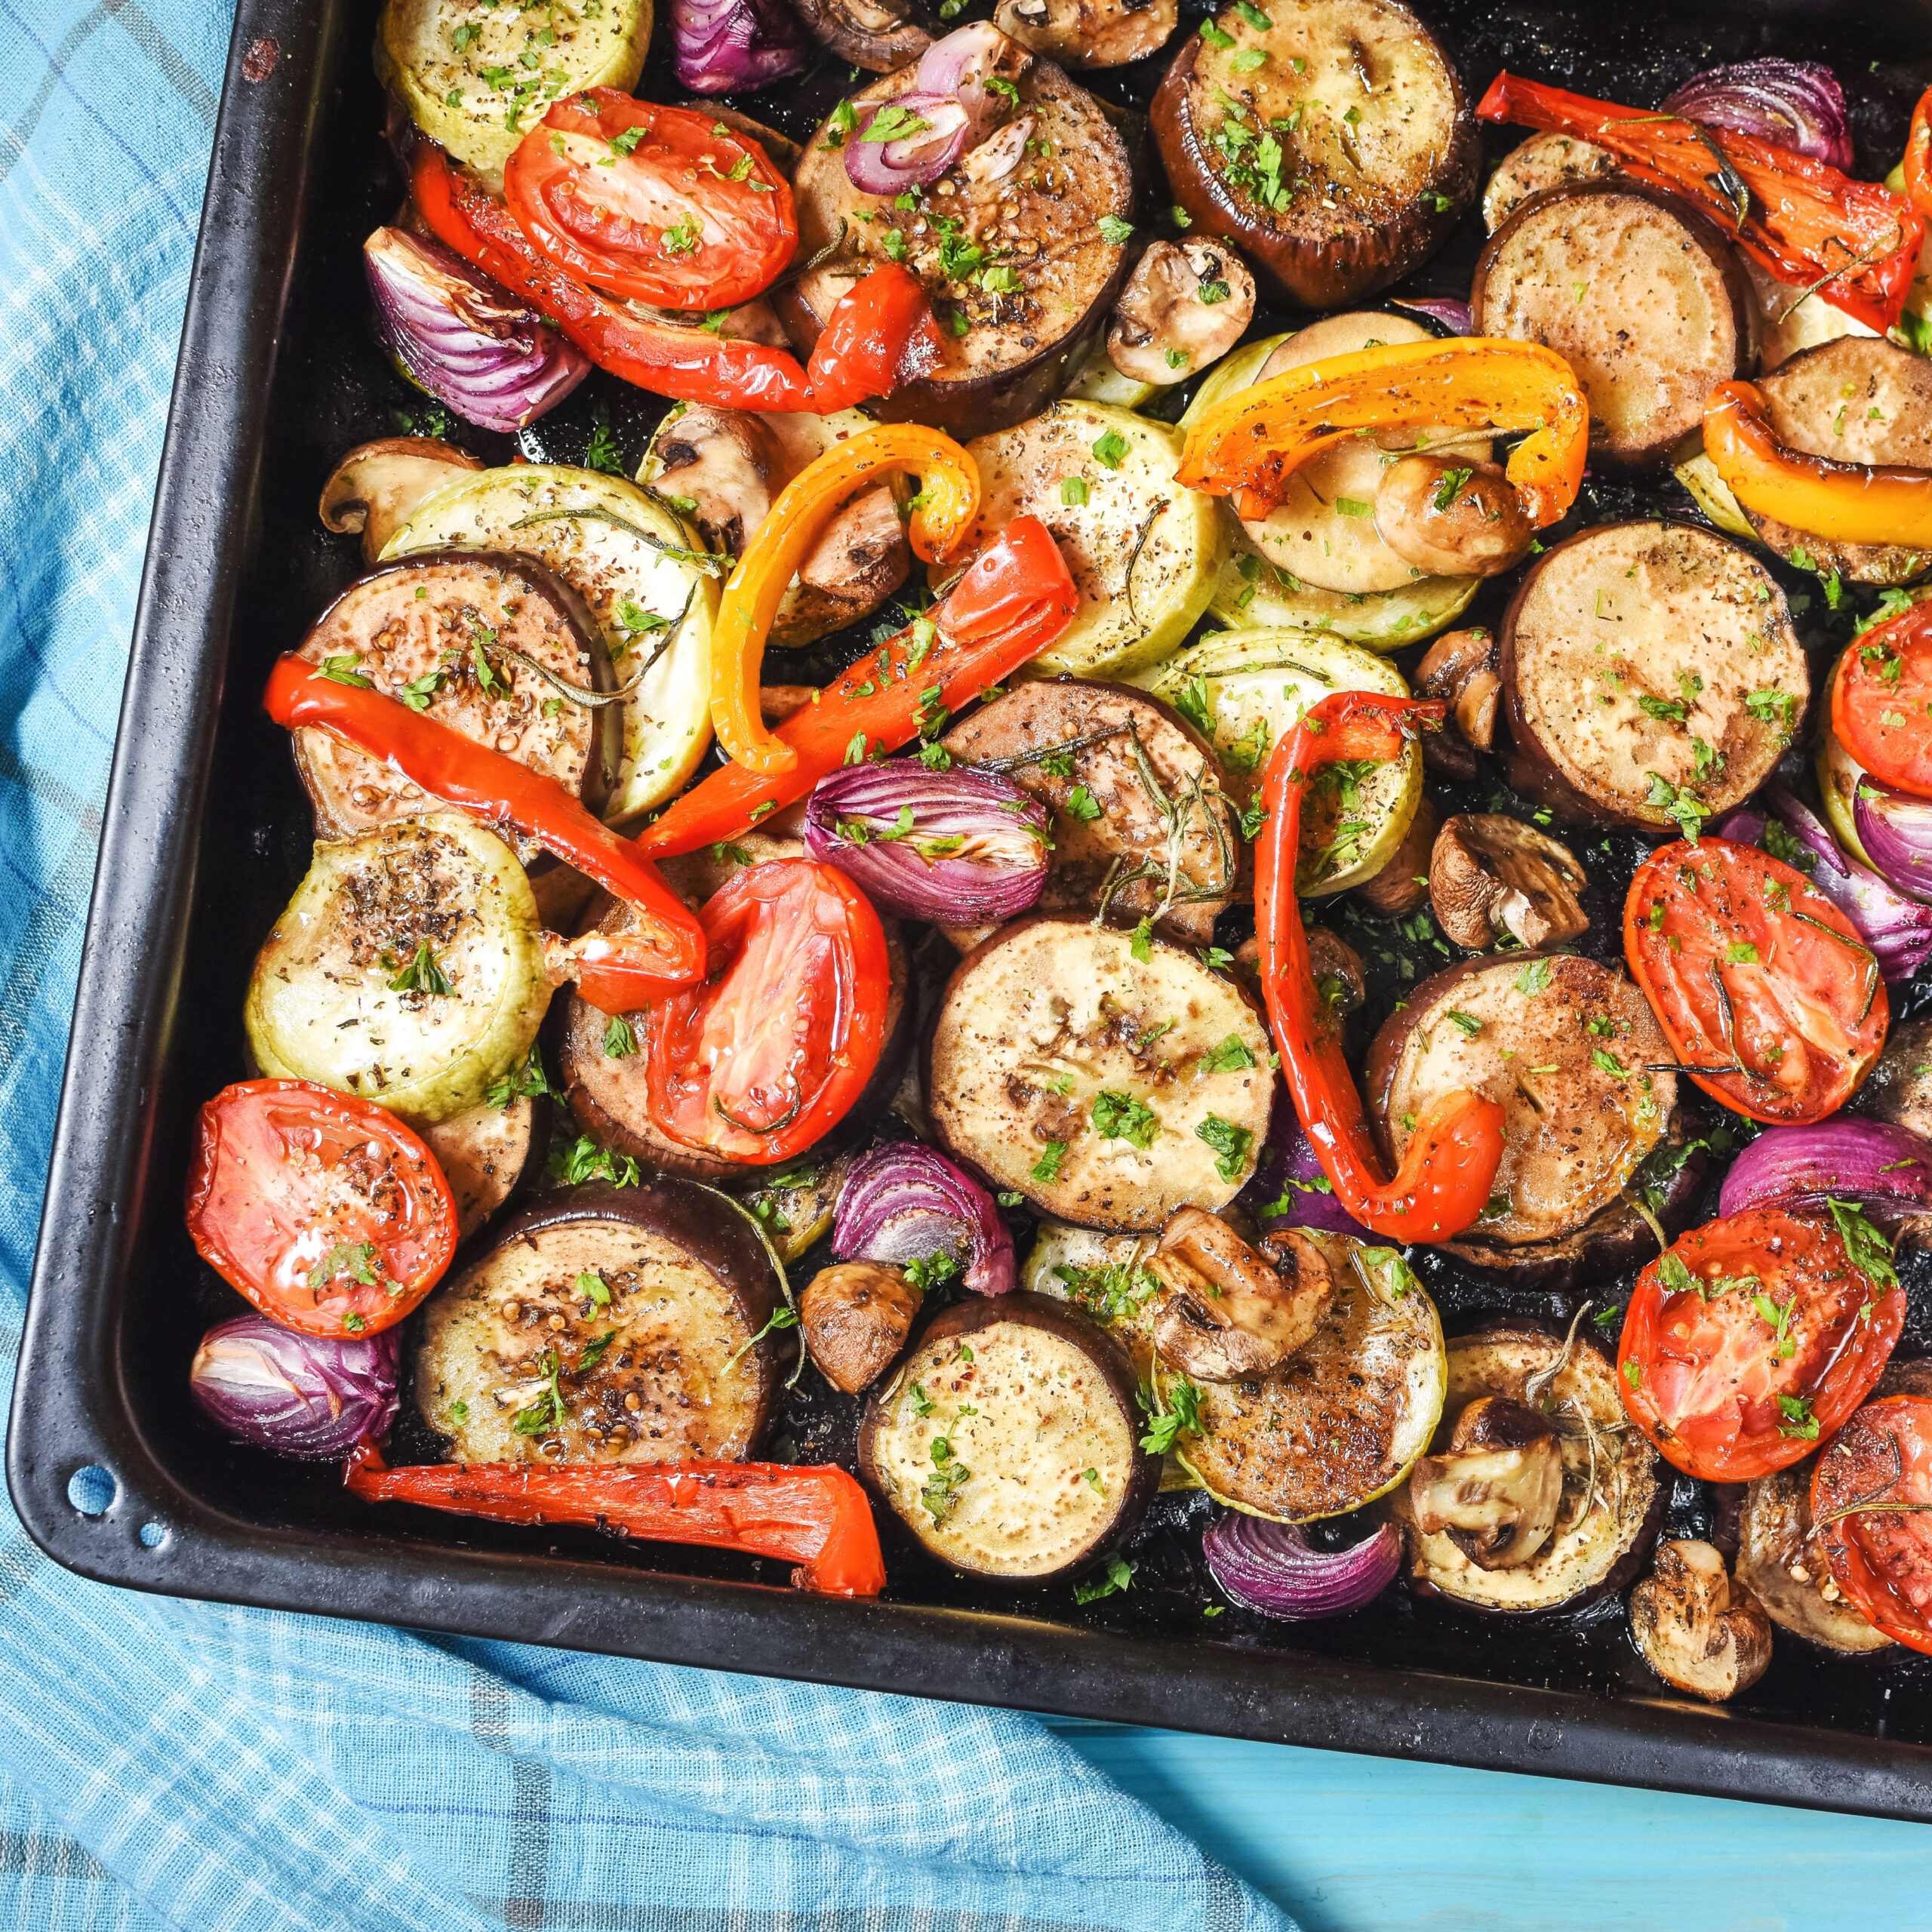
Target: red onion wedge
960 847
1289 1190
470 344
720 46
1896 830
1453 315
1269 1567
1886 1171
310 1396
1897 929
903 1203
969 64
906 143
1795 104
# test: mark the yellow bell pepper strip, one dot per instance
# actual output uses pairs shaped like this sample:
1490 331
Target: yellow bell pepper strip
1848 502
1015 600
1248 446
1918 156
1444 1182
1853 242
942 513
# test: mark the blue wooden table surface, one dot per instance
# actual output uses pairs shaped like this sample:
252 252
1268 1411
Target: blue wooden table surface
1375 1845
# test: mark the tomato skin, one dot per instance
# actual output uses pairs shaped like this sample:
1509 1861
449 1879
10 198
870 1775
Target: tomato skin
795 1004
1880 695
688 215
1702 1379
1881 1559
1717 914
286 1173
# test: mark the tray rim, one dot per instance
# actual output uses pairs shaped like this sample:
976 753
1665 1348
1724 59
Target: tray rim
79 1414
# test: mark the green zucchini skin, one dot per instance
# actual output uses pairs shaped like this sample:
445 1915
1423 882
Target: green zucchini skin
322 1004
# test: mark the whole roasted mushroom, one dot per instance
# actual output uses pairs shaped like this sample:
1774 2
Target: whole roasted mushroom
1226 1311
376 488
726 462
1089 33
1452 519
1184 305
1699 1631
855 1317
1489 874
1463 668
879 35
1496 1490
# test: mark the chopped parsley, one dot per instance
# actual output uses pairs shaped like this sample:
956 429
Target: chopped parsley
1121 1117
1230 1142
620 1042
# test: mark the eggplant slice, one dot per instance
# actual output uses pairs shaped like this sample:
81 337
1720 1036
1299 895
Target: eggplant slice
602 1326
481 641
489 1155
1561 1044
1037 224
1612 1502
1109 1089
1782 1566
1143 774
1856 400
1639 293
1646 663
1008 1442
1542 162
1338 163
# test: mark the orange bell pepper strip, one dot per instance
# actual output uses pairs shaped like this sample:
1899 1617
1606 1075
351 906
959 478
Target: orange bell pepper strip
616 972
1918 164
1248 445
1014 601
1853 242
1848 502
816 1515
691 364
1444 1182
942 513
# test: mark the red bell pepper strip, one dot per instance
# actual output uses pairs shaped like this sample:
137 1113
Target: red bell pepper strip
1015 599
881 331
617 972
1805 222
691 365
1444 1182
816 1515
1917 168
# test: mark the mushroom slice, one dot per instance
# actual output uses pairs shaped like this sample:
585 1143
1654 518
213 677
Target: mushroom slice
376 487
1339 976
1699 1631
1184 305
1227 1313
880 35
1089 33
855 1317
1496 1490
1464 669
727 464
1489 874
860 561
1402 884
1452 519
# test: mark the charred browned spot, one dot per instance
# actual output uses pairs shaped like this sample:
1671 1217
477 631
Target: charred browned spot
258 64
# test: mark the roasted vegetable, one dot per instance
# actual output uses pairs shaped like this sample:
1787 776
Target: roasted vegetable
1699 1631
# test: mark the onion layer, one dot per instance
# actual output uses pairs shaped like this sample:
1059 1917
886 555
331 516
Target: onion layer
1896 830
1795 104
963 848
906 143
722 45
1454 316
1897 929
1289 1177
311 1396
1886 1170
1269 1568
964 65
470 344
904 1203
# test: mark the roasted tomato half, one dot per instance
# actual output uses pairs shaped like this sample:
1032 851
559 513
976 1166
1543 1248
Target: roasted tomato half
326 1211
1872 1506
1752 1339
660 204
1771 999
1881 701
770 1052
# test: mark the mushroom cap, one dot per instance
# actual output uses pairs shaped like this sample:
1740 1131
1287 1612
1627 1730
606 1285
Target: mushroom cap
1497 1487
1489 874
1194 298
1227 1312
1698 1630
377 488
1452 519
855 1317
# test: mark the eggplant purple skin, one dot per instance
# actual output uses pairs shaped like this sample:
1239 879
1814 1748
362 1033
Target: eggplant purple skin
1340 270
1621 1574
967 1318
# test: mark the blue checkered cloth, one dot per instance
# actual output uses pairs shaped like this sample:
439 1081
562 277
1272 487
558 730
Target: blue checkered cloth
166 1763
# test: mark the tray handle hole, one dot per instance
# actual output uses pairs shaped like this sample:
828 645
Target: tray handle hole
153 1535
91 1490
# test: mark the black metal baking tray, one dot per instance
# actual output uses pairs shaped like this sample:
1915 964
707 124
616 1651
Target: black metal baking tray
205 833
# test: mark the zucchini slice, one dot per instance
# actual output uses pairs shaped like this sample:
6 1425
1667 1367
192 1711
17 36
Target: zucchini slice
1839 775
1246 690
477 79
1693 467
647 1302
1099 381
1108 1088
1339 1423
1255 595
1146 553
1323 532
634 564
347 988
